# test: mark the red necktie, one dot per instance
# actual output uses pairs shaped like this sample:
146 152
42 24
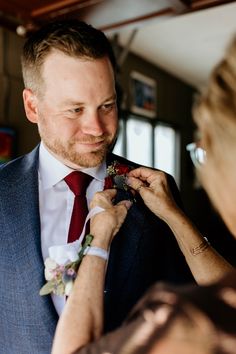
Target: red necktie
78 183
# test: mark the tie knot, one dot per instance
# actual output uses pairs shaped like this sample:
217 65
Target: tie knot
78 182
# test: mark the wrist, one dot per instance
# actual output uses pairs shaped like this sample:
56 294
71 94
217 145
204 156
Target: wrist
201 247
101 239
96 251
174 216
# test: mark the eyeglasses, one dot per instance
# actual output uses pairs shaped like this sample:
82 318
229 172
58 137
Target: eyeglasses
197 154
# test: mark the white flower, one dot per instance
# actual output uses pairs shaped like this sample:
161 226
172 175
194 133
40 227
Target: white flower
50 263
49 275
50 267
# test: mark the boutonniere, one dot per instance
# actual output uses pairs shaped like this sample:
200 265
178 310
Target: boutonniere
117 176
60 275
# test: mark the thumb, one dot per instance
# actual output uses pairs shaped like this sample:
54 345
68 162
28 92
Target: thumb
126 203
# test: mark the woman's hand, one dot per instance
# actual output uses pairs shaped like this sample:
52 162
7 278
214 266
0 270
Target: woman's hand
82 318
153 188
105 225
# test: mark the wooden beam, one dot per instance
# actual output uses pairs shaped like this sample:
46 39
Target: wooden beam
200 4
166 12
66 5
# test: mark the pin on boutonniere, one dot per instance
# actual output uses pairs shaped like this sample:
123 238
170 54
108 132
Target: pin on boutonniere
117 176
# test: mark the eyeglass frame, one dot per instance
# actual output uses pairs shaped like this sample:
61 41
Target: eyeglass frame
197 154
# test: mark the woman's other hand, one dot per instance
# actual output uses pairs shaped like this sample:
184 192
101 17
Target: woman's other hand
105 225
153 188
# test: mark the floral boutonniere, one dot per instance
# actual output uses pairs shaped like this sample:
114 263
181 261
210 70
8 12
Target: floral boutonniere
60 276
117 176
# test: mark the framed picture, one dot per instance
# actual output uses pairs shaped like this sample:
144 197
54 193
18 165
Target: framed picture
7 143
143 94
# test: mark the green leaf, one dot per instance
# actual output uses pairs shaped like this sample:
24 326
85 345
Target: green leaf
47 288
88 240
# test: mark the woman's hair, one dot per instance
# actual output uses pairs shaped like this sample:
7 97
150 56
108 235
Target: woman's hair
71 37
217 105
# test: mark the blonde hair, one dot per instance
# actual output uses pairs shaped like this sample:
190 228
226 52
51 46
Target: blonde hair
215 112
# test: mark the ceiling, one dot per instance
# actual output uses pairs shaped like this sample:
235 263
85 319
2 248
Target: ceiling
187 46
184 37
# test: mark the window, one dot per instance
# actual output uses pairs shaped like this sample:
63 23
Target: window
139 141
166 150
150 143
119 148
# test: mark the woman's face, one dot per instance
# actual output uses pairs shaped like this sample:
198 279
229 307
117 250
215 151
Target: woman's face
218 174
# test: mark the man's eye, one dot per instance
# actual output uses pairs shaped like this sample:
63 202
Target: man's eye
77 110
73 113
108 106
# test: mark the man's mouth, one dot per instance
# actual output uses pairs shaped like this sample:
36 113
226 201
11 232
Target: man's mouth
92 144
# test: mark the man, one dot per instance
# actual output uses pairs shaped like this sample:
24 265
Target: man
69 76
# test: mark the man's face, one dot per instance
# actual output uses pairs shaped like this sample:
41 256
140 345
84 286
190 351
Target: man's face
77 114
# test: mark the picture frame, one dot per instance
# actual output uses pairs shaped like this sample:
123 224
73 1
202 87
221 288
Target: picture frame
142 95
7 143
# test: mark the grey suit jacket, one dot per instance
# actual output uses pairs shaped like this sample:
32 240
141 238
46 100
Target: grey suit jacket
144 251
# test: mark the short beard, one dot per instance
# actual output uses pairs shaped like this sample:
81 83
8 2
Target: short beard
68 154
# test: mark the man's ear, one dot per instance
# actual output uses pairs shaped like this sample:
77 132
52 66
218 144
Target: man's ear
30 104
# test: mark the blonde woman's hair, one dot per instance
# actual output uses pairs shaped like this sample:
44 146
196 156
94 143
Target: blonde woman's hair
215 110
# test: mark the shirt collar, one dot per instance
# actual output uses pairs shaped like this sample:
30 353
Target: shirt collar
58 171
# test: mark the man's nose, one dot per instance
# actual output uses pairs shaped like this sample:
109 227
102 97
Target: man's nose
93 124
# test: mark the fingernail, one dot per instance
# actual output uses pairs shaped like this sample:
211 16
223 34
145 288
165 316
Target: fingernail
128 181
128 203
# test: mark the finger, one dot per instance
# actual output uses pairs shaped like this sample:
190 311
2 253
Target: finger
109 193
121 212
104 198
126 203
149 175
135 183
141 173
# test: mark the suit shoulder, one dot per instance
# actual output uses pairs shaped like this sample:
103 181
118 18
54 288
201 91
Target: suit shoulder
8 166
19 166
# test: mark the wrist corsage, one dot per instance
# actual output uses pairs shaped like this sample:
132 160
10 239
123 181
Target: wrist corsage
61 268
117 176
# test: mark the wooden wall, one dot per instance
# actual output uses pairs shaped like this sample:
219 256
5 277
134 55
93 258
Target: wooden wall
11 103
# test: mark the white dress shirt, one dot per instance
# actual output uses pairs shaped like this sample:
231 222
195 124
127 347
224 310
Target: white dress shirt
56 202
